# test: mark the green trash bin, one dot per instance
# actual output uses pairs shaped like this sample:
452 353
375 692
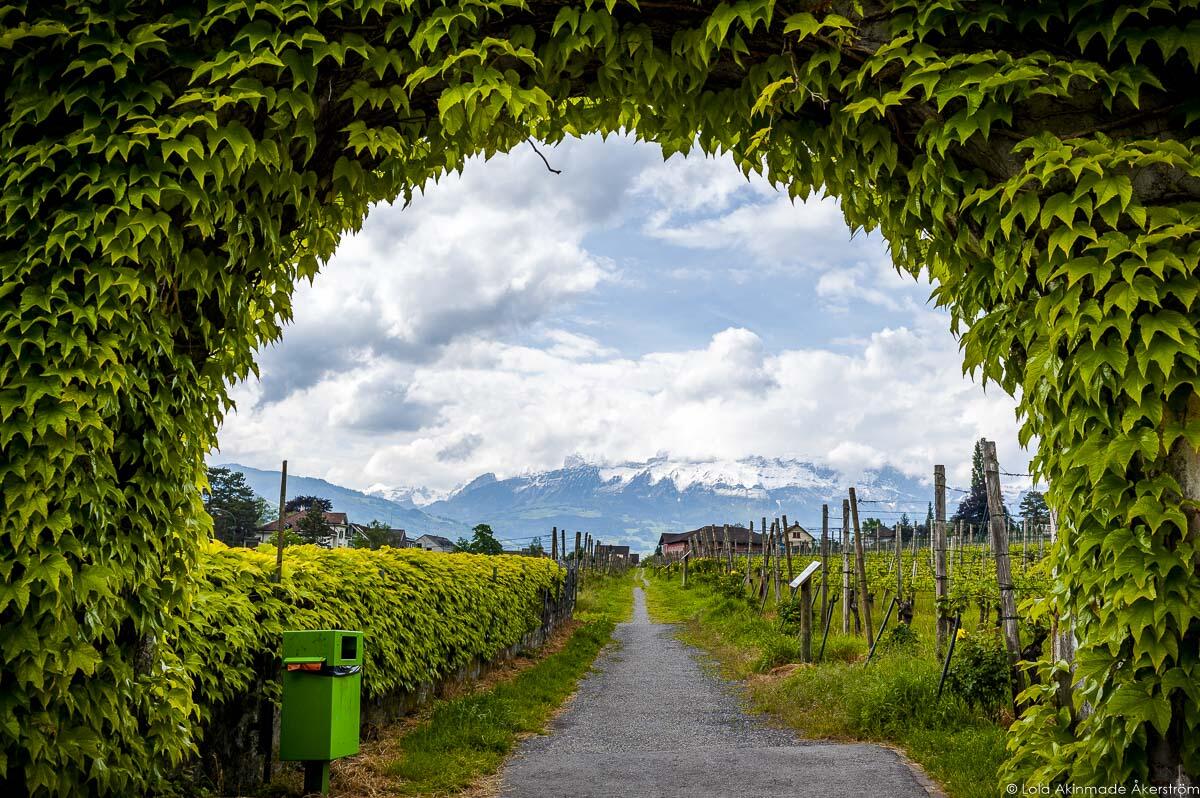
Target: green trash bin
322 681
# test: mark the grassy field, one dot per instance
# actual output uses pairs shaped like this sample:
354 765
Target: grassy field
469 737
892 700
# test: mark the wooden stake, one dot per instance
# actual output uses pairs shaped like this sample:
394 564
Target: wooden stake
941 582
727 556
999 536
898 533
806 621
824 560
554 543
775 561
768 544
787 544
845 567
864 601
749 547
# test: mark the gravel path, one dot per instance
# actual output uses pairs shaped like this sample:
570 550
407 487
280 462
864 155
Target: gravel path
651 721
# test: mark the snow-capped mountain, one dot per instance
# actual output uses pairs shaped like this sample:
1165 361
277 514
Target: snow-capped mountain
406 495
632 503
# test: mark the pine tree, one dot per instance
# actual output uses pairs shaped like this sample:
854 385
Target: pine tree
1033 507
973 508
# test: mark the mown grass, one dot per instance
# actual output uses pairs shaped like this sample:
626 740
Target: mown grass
891 700
467 738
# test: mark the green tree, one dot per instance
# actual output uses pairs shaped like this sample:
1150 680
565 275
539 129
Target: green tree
375 535
235 509
313 528
483 541
535 547
973 509
1033 507
302 504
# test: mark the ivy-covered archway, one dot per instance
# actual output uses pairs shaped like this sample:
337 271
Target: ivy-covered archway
172 169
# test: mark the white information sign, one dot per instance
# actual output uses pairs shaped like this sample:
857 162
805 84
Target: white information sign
805 574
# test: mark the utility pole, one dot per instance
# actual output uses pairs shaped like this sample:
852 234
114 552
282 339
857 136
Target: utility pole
279 540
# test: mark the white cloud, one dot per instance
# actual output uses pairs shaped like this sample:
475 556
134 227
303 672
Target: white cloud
403 365
489 251
898 399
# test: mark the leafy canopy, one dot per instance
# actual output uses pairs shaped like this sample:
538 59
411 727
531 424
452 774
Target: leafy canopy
483 541
171 172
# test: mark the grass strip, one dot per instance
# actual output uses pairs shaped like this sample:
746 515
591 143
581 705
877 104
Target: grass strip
890 701
467 738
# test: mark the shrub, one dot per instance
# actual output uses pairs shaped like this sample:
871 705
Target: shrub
900 638
790 616
425 615
777 650
979 670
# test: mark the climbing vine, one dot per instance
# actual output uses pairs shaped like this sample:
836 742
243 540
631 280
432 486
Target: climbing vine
172 169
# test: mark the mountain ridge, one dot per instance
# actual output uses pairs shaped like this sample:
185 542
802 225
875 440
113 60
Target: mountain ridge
627 503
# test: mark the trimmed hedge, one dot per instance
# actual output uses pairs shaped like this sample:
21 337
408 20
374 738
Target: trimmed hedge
425 615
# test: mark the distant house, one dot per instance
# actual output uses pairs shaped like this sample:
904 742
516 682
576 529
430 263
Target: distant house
611 553
395 538
433 543
674 544
800 539
341 530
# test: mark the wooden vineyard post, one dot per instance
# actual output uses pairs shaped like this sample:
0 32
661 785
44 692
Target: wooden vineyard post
554 543
824 561
806 621
749 548
864 601
686 556
768 542
899 533
766 549
787 545
728 551
775 560
941 585
576 563
846 594
999 529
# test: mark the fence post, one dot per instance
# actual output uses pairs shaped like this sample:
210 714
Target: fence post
941 586
554 543
864 600
787 545
824 560
899 533
576 566
806 621
845 567
999 529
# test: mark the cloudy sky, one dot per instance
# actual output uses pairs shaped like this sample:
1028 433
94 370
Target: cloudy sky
510 318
